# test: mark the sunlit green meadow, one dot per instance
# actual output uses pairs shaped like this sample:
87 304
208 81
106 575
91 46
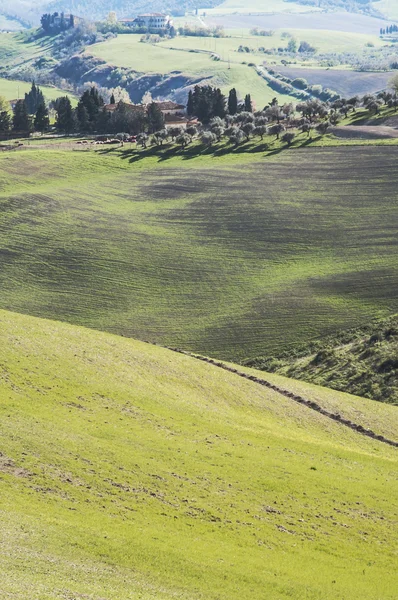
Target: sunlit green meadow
128 471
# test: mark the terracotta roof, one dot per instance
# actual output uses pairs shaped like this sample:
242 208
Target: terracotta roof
168 105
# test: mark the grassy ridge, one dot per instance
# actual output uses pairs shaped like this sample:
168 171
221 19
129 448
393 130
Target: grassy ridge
128 471
231 256
362 362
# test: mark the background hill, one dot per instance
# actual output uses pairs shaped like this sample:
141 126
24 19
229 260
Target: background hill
31 10
130 471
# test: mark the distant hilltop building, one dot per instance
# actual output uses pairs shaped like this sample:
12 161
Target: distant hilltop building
69 19
151 21
56 22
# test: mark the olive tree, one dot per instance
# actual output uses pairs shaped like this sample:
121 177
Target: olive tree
276 130
393 84
208 138
288 138
237 137
260 130
247 129
184 139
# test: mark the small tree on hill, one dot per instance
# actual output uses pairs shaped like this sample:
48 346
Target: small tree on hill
393 84
232 102
155 117
237 137
33 99
191 131
175 132
288 138
42 121
208 138
21 120
248 103
5 121
142 140
190 104
65 119
160 136
260 130
184 139
322 128
276 130
248 129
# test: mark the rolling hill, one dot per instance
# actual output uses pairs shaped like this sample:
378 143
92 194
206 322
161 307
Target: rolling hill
234 255
130 471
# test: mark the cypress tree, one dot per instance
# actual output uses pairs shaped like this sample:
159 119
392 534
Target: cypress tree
21 121
219 104
232 102
190 104
65 118
33 99
42 121
248 103
155 117
5 121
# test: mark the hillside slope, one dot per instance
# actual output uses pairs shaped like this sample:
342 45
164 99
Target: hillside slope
234 256
129 471
363 361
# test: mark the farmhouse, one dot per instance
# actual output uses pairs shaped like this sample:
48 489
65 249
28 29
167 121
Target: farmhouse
173 113
152 21
177 121
133 108
169 108
69 20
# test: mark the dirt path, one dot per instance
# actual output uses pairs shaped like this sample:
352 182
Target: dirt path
299 399
364 132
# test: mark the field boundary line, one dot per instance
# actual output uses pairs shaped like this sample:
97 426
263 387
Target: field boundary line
295 397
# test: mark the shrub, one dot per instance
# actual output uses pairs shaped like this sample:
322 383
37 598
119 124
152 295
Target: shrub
300 83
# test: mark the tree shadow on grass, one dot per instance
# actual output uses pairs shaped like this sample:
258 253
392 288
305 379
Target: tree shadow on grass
165 153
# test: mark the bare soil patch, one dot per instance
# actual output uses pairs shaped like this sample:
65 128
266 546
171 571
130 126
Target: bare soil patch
334 21
343 81
7 465
365 132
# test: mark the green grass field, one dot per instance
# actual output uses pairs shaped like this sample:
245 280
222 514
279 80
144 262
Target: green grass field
322 40
192 56
128 471
237 256
127 51
12 89
15 50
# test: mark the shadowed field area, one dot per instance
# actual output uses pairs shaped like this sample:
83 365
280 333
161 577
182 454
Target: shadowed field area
232 256
128 471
